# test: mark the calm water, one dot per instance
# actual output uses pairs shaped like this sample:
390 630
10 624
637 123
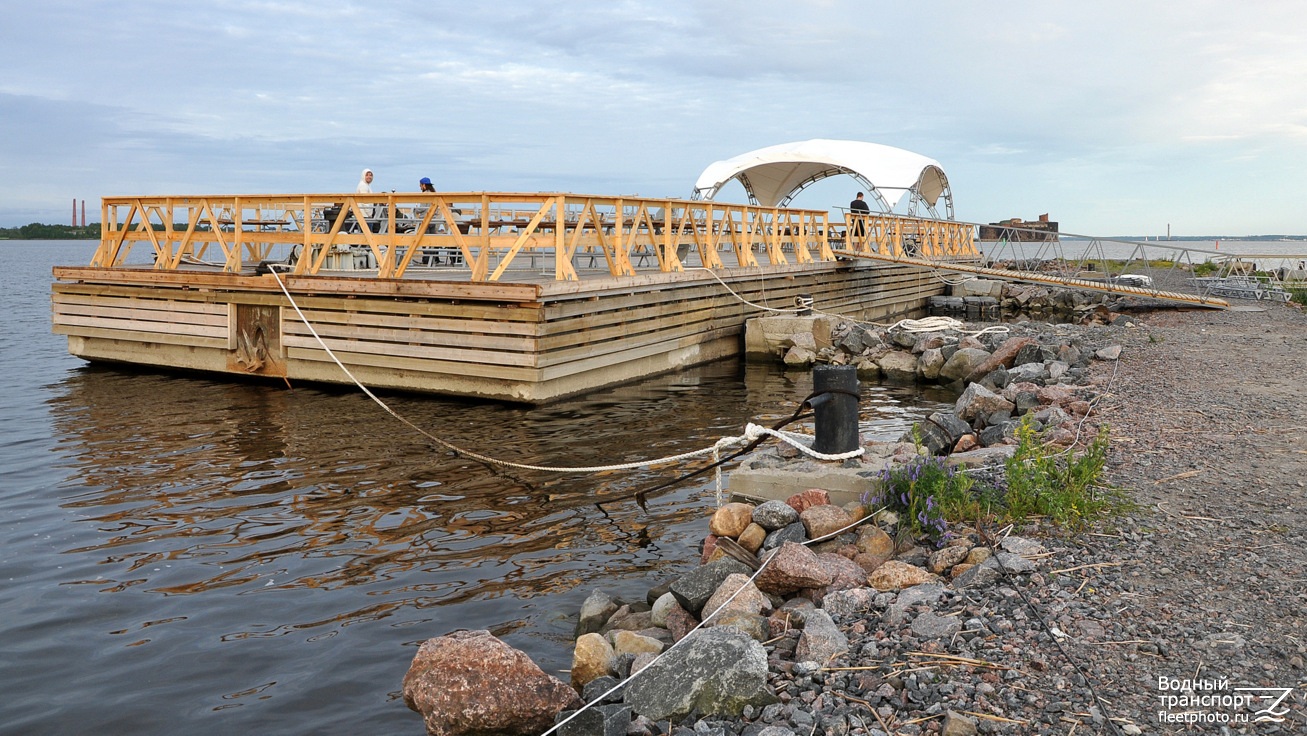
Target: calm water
185 555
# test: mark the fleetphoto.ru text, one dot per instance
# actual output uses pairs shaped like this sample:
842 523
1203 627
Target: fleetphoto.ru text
1213 700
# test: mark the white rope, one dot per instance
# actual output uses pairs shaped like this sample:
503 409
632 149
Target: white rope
942 324
956 280
926 324
700 625
790 310
752 431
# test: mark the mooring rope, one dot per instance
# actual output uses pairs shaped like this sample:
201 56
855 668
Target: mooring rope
751 431
600 698
786 310
925 324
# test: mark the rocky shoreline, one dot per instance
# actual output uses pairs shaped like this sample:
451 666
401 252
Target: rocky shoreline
1037 632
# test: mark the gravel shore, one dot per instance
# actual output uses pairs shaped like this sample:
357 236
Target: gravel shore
1181 616
1208 417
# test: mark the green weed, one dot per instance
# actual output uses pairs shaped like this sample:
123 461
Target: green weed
1064 486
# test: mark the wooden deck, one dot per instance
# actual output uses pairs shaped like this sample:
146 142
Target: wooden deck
498 316
527 342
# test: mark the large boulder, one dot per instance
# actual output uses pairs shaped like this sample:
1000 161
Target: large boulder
717 671
593 657
1027 373
821 640
661 608
731 519
773 515
748 600
875 547
930 363
820 521
695 588
845 574
795 533
1005 357
804 500
978 402
939 433
628 619
469 682
629 642
962 363
753 536
595 612
898 365
792 567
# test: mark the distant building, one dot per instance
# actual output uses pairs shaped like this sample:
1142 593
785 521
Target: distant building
1020 231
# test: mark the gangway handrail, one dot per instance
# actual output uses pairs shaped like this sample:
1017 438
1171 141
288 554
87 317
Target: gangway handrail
1044 278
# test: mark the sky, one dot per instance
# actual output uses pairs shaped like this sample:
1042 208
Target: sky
1113 118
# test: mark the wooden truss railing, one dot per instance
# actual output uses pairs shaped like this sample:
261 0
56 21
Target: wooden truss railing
484 232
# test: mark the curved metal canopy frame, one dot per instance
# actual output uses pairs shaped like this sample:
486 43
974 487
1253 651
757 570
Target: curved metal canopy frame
900 173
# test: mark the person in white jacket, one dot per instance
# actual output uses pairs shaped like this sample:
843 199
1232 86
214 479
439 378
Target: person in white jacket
365 187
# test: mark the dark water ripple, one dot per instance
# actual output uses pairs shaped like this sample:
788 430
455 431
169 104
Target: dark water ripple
188 555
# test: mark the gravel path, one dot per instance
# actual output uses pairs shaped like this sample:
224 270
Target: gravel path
1205 581
1208 417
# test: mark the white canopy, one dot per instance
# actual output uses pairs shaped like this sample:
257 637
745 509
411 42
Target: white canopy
772 176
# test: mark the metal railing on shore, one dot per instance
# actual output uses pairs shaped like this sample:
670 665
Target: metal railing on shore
387 234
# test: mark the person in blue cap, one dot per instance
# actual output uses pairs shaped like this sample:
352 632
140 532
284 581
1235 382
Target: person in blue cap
424 185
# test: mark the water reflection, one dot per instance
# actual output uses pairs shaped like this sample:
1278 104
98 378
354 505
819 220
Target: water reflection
267 514
233 478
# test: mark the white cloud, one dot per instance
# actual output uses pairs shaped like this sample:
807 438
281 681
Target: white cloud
1029 106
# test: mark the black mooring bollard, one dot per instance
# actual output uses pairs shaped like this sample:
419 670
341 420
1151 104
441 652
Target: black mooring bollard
835 408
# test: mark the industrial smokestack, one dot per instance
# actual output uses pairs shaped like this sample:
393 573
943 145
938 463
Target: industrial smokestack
74 211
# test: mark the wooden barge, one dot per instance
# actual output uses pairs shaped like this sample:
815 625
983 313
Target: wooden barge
509 296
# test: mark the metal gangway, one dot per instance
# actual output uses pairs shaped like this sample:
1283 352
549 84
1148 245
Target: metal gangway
1067 260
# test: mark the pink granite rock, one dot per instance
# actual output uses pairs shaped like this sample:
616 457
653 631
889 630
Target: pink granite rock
680 622
1004 356
873 540
470 682
1056 395
845 574
966 443
804 500
709 549
824 519
792 567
